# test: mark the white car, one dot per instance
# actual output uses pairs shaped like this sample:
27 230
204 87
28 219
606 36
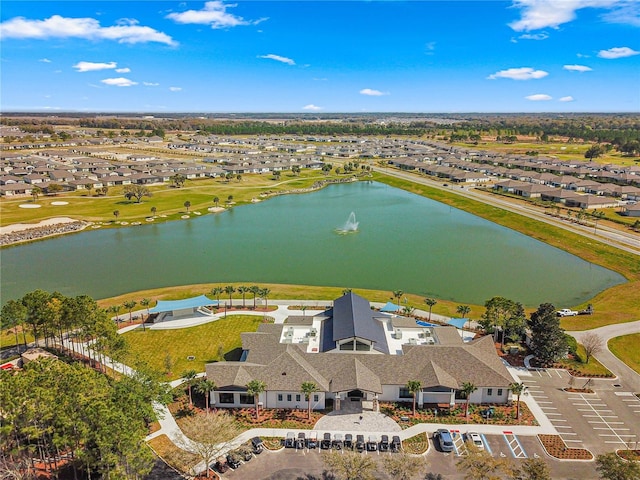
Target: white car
475 438
566 312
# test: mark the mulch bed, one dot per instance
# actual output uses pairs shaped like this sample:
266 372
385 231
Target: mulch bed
416 445
578 390
630 455
555 447
402 413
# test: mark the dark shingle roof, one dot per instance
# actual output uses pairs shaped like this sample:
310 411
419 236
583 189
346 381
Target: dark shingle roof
353 317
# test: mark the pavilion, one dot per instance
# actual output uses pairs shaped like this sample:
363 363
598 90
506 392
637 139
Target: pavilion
168 310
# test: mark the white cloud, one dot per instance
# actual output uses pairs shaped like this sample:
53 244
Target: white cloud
44 60
175 89
537 14
213 14
538 97
123 70
577 68
568 98
278 58
617 52
522 73
372 93
534 36
150 84
119 82
57 26
430 48
93 66
312 107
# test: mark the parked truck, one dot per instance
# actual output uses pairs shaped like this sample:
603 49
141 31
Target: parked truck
566 312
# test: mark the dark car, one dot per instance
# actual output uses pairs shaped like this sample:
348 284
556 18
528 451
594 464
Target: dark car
348 441
221 465
312 441
300 441
290 440
233 460
325 444
360 443
396 444
384 443
444 439
258 446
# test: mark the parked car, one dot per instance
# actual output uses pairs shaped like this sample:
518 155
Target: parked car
337 441
474 437
244 453
290 440
233 460
444 439
348 441
360 443
300 441
221 465
325 444
396 444
372 443
312 441
258 446
567 312
487 413
384 443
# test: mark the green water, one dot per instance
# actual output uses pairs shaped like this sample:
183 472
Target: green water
404 242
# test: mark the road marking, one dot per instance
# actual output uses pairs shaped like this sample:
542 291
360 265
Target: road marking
571 441
568 433
544 401
562 426
549 408
624 394
551 413
558 372
624 443
557 420
514 445
486 444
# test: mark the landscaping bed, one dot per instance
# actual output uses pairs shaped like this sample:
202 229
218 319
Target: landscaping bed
175 457
275 418
402 413
555 447
416 445
272 443
308 307
629 455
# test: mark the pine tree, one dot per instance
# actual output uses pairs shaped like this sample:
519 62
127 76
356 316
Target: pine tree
548 342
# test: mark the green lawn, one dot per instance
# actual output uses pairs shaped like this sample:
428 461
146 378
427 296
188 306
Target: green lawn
204 342
594 367
626 349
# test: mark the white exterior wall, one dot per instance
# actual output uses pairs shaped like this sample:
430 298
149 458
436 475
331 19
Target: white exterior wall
214 399
482 395
302 404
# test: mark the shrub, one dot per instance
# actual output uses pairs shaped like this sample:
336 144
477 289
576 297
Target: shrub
572 345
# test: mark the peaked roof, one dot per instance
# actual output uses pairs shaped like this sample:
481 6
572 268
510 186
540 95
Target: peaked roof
172 305
354 375
353 317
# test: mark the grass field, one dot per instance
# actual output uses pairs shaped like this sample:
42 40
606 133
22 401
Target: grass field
167 200
626 349
215 341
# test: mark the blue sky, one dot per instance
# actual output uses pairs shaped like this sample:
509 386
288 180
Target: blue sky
304 56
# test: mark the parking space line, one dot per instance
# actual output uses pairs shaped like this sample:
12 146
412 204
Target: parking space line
486 444
562 426
549 408
606 422
514 445
624 443
568 433
458 443
571 441
557 420
558 372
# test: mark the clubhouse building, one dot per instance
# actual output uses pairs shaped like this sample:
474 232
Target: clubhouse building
356 354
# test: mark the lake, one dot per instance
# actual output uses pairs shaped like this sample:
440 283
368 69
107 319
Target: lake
403 242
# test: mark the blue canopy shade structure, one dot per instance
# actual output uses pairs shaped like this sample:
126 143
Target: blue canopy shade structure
390 307
426 324
458 322
174 305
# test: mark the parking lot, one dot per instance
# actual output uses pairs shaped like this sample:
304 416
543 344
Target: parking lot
603 421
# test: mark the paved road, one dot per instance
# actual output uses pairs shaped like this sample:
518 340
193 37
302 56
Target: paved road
626 241
628 376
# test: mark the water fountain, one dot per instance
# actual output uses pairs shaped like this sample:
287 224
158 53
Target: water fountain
350 226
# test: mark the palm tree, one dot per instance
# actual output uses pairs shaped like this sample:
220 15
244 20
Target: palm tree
145 302
463 311
35 192
467 389
308 388
431 302
414 386
189 376
255 388
229 289
216 201
116 213
153 210
264 293
255 290
230 199
517 389
129 305
204 387
346 291
243 290
397 294
216 292
187 205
